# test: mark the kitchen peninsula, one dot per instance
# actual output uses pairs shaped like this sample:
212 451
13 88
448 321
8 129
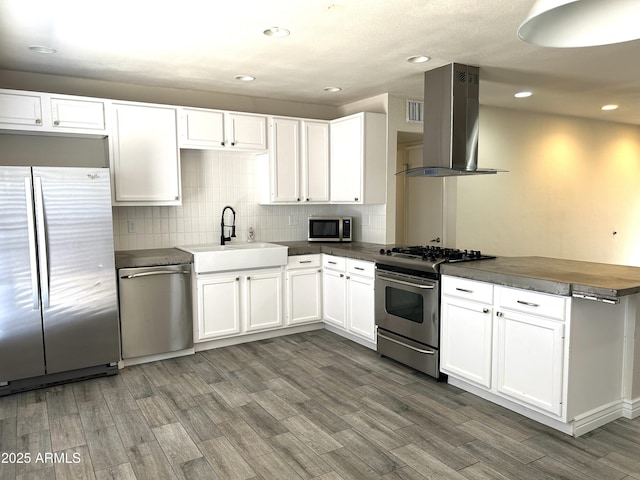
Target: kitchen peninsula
555 340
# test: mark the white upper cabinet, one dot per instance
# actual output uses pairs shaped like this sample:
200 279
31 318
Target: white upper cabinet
49 113
299 160
217 129
144 155
359 158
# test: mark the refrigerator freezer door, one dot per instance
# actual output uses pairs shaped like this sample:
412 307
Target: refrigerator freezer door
21 350
80 314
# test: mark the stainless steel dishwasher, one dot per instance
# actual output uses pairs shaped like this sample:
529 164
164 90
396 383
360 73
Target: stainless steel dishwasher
155 309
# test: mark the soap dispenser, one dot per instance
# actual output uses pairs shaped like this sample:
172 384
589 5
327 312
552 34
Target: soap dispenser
251 234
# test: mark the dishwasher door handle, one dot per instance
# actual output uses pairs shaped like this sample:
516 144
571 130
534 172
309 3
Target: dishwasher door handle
157 272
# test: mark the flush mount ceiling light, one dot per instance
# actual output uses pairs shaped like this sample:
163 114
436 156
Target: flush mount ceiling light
523 94
276 32
418 59
42 49
609 107
332 89
245 78
581 23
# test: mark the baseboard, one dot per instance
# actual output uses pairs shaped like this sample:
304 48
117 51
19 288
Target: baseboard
350 336
252 337
596 418
631 408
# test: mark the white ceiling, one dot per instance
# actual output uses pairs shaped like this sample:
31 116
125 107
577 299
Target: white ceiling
359 45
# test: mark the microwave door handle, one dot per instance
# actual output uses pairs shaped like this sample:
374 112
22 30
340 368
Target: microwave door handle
340 229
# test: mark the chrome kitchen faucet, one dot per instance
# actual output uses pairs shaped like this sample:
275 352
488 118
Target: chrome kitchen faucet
222 225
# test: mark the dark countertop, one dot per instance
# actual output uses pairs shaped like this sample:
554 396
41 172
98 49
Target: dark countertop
547 275
552 275
151 257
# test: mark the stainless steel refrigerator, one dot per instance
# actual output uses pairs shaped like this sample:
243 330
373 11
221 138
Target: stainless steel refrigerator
58 294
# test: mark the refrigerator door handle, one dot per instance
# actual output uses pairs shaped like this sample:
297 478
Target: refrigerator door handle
42 243
33 255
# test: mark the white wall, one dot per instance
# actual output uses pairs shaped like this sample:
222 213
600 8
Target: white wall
211 180
571 183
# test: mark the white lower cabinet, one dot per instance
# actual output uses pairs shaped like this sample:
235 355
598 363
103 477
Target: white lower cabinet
529 360
235 303
304 289
467 330
508 341
348 298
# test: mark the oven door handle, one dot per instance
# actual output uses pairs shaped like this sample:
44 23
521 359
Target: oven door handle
419 350
408 284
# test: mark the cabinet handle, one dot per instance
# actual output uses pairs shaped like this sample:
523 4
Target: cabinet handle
528 304
304 261
332 263
359 268
464 290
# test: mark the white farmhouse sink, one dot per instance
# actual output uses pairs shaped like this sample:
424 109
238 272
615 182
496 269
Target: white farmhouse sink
235 256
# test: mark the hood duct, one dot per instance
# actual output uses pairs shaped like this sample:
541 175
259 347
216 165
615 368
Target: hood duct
451 115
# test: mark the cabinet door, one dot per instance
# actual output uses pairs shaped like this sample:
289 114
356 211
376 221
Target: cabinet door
285 159
80 114
334 297
360 300
530 360
466 340
247 132
304 296
263 300
218 307
346 159
315 161
18 109
202 128
145 159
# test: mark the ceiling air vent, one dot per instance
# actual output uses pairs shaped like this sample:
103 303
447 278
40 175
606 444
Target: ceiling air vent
415 111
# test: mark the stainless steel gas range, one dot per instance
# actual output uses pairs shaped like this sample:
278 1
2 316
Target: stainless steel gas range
407 303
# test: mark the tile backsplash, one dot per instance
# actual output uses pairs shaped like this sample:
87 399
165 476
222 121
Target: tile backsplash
210 181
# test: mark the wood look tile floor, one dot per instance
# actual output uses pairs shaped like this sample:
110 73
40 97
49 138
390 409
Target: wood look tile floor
305 406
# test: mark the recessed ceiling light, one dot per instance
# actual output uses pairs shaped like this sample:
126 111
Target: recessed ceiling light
609 107
332 89
245 78
276 32
523 94
418 59
42 49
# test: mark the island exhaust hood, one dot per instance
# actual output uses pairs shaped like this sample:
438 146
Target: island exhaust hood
451 111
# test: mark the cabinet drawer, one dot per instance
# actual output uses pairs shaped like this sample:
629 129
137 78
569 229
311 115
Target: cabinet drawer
360 267
303 261
534 303
334 263
469 289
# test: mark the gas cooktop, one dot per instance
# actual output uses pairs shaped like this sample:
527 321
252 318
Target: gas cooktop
427 258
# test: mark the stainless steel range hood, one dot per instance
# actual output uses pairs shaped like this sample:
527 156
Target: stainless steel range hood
451 111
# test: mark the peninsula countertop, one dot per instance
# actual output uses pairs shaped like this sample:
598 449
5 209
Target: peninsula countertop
552 275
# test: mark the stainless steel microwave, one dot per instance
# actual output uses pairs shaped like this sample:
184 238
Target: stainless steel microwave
330 229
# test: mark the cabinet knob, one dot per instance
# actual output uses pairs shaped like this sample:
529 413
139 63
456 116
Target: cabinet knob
341 275
38 121
56 122
307 199
233 144
356 199
485 310
298 199
237 279
499 314
222 143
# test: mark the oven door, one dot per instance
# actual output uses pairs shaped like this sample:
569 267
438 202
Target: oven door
408 306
